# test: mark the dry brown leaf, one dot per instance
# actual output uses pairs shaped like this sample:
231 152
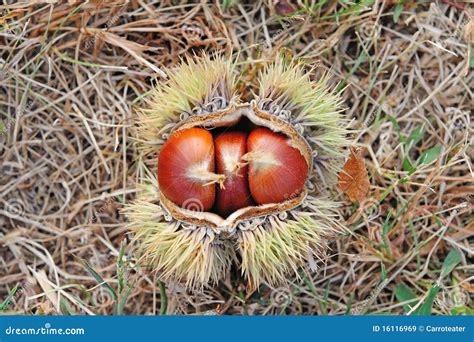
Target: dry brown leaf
353 179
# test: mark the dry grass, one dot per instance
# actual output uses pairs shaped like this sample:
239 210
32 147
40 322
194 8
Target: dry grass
72 72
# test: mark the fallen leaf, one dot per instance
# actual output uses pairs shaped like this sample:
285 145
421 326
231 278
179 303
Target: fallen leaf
353 179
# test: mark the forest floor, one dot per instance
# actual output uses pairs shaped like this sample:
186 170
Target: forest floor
72 73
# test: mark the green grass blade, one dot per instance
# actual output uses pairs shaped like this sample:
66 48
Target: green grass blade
405 294
9 298
120 268
163 299
396 13
428 156
123 297
98 278
452 260
425 308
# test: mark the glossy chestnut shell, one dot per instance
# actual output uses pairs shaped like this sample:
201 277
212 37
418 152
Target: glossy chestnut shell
231 166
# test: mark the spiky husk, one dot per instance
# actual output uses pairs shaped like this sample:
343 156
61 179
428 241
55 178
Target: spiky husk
313 107
279 245
272 246
194 83
189 254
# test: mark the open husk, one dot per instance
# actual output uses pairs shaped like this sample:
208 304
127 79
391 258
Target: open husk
268 241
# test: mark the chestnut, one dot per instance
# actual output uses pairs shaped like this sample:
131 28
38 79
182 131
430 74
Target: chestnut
277 170
186 169
230 147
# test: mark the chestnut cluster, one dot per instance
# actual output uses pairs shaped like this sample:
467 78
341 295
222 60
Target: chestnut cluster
243 179
230 170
